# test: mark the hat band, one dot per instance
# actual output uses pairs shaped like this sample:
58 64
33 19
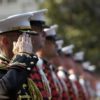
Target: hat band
20 28
15 28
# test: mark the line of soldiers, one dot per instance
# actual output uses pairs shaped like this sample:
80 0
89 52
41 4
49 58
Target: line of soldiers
35 66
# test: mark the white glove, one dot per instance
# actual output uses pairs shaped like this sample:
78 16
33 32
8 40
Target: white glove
23 44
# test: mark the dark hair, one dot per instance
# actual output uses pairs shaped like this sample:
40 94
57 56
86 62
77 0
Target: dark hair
79 61
41 24
9 32
37 23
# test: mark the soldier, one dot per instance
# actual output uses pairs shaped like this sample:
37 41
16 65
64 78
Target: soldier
67 54
14 71
89 79
83 80
79 58
38 86
38 24
63 70
53 56
70 66
37 21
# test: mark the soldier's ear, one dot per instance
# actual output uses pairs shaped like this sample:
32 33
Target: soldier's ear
5 40
1 40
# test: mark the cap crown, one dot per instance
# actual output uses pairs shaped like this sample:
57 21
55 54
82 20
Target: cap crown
68 49
38 15
79 56
15 22
59 44
51 31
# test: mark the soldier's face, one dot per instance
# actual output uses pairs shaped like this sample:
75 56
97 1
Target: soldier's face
79 68
7 40
4 45
50 45
69 63
40 38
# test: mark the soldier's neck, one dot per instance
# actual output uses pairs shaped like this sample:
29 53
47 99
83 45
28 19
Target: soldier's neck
39 53
48 57
36 48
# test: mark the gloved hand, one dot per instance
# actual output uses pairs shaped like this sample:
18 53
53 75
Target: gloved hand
23 44
23 56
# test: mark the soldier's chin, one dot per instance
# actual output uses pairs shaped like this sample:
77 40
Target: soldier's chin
41 45
71 71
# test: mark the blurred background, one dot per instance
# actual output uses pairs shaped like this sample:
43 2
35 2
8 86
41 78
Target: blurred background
78 20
